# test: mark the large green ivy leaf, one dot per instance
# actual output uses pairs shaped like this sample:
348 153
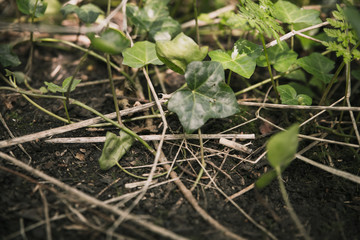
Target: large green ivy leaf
205 96
87 13
7 58
289 96
141 54
111 41
179 52
317 65
290 13
282 147
28 7
114 148
280 56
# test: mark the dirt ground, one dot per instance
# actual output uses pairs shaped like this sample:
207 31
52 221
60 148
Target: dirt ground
328 206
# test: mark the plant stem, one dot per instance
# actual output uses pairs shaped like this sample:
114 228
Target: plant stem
28 67
269 68
229 77
116 104
289 206
196 22
327 90
66 102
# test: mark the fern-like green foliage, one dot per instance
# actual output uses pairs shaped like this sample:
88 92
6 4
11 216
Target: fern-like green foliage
344 34
259 16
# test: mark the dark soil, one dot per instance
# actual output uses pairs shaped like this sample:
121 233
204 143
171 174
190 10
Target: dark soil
327 205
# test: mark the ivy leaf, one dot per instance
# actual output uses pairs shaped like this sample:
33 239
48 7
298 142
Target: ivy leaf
205 96
7 58
111 41
242 60
141 54
65 85
317 65
282 147
179 52
290 13
240 64
289 96
165 29
146 17
114 148
280 56
87 13
28 7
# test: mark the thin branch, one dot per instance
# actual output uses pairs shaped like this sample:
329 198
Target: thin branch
300 107
70 127
331 170
91 200
152 138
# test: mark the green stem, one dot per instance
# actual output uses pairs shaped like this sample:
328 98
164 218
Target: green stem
137 176
44 110
269 68
229 77
29 63
113 90
77 69
196 22
327 90
66 109
289 206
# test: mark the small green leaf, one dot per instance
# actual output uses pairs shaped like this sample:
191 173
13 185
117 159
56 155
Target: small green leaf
317 65
179 52
205 96
141 54
7 58
280 56
248 48
289 96
111 41
64 88
28 7
240 64
114 148
282 147
290 13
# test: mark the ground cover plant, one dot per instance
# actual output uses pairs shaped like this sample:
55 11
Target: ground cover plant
168 119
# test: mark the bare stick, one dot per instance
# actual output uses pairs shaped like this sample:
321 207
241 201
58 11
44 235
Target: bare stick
235 145
91 200
152 138
300 107
331 170
70 127
293 33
